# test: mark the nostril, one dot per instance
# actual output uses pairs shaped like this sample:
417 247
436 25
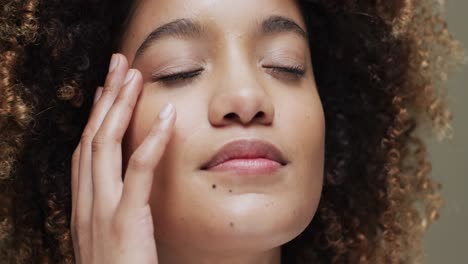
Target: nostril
234 117
231 116
260 115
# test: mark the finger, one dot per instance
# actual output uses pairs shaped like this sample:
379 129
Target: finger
107 143
98 94
75 174
75 166
104 98
85 183
75 179
141 165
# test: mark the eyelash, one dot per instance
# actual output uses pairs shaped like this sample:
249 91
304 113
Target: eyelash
178 76
296 72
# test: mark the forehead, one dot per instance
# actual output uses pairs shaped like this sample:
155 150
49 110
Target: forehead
226 10
228 17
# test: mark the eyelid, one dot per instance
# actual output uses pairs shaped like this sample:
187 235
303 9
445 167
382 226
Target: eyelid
182 75
286 73
283 57
179 68
174 71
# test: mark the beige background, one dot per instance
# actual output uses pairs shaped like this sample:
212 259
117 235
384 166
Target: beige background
447 239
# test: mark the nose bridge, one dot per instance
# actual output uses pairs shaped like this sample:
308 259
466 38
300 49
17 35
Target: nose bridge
240 96
239 66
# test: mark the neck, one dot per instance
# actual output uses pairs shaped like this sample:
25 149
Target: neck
168 255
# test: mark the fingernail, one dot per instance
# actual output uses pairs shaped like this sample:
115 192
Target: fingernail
98 94
166 111
129 76
114 62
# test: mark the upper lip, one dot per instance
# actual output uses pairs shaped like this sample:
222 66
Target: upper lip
246 149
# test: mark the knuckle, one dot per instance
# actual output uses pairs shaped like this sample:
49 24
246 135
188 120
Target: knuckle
86 137
160 136
108 91
103 139
98 142
138 162
156 132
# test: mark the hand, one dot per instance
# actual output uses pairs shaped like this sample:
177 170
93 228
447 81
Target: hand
111 219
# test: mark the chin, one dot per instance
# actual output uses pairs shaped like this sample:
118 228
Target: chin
249 221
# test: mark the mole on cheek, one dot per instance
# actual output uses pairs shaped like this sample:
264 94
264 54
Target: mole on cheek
231 224
213 186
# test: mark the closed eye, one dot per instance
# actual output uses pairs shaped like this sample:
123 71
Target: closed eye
293 71
175 77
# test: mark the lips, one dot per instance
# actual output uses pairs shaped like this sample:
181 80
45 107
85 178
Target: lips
246 151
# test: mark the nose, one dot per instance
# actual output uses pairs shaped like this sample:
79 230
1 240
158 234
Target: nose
241 102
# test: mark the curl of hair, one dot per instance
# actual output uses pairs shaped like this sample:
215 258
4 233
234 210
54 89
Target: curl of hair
379 67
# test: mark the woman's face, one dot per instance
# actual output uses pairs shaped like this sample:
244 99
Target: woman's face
234 89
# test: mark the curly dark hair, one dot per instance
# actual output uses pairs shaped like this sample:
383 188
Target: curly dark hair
379 67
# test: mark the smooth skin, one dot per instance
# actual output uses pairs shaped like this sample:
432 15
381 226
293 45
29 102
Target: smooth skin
240 91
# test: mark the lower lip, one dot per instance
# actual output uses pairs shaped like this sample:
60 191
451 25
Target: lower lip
248 166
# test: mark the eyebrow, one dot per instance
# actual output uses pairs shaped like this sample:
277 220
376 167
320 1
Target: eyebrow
279 24
188 28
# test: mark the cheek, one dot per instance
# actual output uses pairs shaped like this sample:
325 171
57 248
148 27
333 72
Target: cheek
302 123
189 111
180 156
